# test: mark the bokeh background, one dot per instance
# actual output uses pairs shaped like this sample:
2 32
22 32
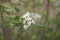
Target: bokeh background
48 27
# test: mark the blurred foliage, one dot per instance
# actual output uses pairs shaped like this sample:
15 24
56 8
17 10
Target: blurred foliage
33 32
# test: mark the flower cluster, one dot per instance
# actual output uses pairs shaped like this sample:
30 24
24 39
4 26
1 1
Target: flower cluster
29 18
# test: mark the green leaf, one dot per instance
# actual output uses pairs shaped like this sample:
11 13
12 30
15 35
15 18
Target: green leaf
38 25
6 24
17 9
19 24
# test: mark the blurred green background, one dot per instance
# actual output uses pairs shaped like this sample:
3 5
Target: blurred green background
48 27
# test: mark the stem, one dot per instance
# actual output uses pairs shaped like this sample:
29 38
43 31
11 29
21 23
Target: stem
47 14
6 32
33 7
46 19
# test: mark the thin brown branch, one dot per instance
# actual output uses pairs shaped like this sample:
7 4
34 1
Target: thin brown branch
46 18
43 6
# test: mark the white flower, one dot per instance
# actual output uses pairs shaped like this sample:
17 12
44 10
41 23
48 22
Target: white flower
33 21
24 21
26 15
38 16
32 14
29 23
29 18
25 27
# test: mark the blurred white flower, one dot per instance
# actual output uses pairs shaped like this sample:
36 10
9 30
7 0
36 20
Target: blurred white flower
26 15
29 23
33 21
24 21
37 16
25 27
30 18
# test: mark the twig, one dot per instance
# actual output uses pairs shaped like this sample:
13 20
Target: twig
46 18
